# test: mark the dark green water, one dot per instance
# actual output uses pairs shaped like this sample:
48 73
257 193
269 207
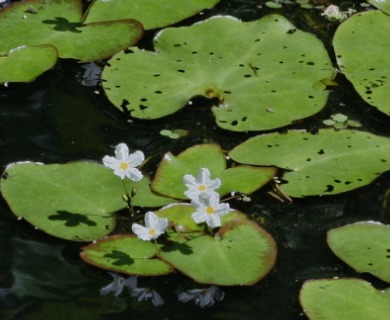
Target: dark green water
56 119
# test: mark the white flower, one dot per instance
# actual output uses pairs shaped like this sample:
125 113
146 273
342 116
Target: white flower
209 210
124 163
154 227
202 186
203 297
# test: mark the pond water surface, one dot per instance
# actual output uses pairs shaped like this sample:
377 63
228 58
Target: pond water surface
57 119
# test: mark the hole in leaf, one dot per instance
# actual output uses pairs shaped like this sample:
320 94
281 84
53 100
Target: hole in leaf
329 188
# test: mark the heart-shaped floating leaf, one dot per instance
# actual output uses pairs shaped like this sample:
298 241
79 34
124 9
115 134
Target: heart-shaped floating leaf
151 13
60 23
362 45
169 176
364 246
263 73
126 254
344 299
329 162
73 201
241 253
24 64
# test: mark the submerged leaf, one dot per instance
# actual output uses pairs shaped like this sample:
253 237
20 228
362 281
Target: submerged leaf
329 162
263 73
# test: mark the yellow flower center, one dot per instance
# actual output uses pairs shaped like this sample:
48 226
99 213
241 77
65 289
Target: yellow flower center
152 232
210 210
202 187
123 165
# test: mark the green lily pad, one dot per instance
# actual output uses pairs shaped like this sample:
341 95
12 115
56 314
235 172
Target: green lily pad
363 246
73 201
344 299
60 23
362 44
263 73
241 253
329 162
168 179
151 13
24 64
383 5
126 254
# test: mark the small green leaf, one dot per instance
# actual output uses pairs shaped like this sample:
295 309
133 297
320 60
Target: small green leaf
60 23
126 254
151 13
169 176
344 299
241 253
329 162
365 246
24 64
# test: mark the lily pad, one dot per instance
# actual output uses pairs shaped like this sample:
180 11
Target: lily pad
365 246
362 44
241 253
60 23
329 162
383 5
24 64
151 13
344 299
263 73
126 254
73 201
168 180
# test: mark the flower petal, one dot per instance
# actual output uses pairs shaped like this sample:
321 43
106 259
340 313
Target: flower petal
213 221
133 174
151 220
136 158
189 180
199 216
204 176
141 232
121 151
110 162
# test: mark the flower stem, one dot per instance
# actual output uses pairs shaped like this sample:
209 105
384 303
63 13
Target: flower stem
128 199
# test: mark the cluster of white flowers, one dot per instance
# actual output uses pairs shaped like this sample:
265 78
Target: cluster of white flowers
200 190
204 198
